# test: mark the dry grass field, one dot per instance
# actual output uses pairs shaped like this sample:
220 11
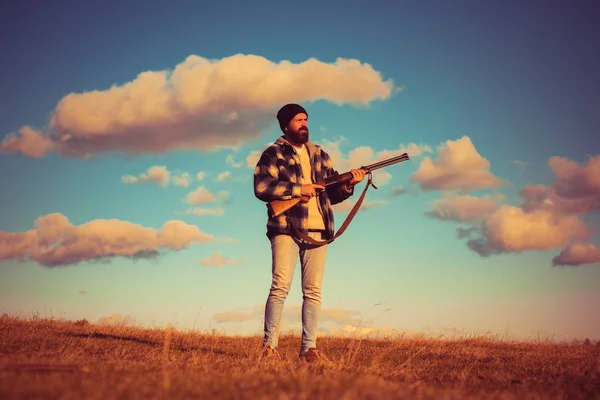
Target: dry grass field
46 358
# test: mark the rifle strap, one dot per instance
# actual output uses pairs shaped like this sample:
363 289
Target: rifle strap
349 218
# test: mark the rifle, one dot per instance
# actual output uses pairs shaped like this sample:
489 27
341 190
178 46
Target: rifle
278 207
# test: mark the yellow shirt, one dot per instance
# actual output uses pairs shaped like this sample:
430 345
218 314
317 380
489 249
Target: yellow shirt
315 218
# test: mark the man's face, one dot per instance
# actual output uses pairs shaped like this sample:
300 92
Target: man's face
297 129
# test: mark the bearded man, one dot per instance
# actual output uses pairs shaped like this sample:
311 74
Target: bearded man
288 169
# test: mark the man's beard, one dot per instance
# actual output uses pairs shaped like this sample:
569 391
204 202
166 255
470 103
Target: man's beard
301 136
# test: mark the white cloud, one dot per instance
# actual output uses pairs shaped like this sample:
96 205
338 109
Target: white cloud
224 176
183 180
200 195
55 241
156 174
512 229
458 167
201 104
578 254
217 260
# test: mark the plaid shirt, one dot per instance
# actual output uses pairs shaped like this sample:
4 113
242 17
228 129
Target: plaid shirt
277 176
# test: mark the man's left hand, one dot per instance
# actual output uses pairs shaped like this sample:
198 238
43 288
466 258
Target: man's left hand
357 176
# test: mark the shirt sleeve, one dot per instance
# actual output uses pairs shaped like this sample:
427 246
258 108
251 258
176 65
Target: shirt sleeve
267 186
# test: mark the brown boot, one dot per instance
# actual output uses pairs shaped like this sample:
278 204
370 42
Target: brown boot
314 356
269 354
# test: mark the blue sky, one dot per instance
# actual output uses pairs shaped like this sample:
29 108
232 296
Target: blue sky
482 97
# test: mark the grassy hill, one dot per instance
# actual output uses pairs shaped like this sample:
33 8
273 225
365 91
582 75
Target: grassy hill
48 358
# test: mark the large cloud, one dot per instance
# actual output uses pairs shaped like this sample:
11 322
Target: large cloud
459 167
511 229
201 104
55 241
549 216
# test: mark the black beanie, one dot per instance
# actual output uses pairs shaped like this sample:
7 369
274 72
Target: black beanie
287 112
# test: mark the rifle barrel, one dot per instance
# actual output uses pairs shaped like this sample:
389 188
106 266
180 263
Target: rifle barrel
385 163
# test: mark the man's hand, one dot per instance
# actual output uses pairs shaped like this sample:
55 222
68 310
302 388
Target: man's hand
309 191
357 176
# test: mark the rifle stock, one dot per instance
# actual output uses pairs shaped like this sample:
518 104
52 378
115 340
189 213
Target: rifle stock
278 207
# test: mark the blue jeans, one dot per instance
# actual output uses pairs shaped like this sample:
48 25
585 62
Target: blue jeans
285 252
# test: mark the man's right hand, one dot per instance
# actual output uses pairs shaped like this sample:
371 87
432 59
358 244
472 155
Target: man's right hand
310 190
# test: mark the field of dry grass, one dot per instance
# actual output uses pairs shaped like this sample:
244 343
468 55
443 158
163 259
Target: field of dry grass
45 358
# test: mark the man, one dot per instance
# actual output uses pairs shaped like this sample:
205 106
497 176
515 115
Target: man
288 169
